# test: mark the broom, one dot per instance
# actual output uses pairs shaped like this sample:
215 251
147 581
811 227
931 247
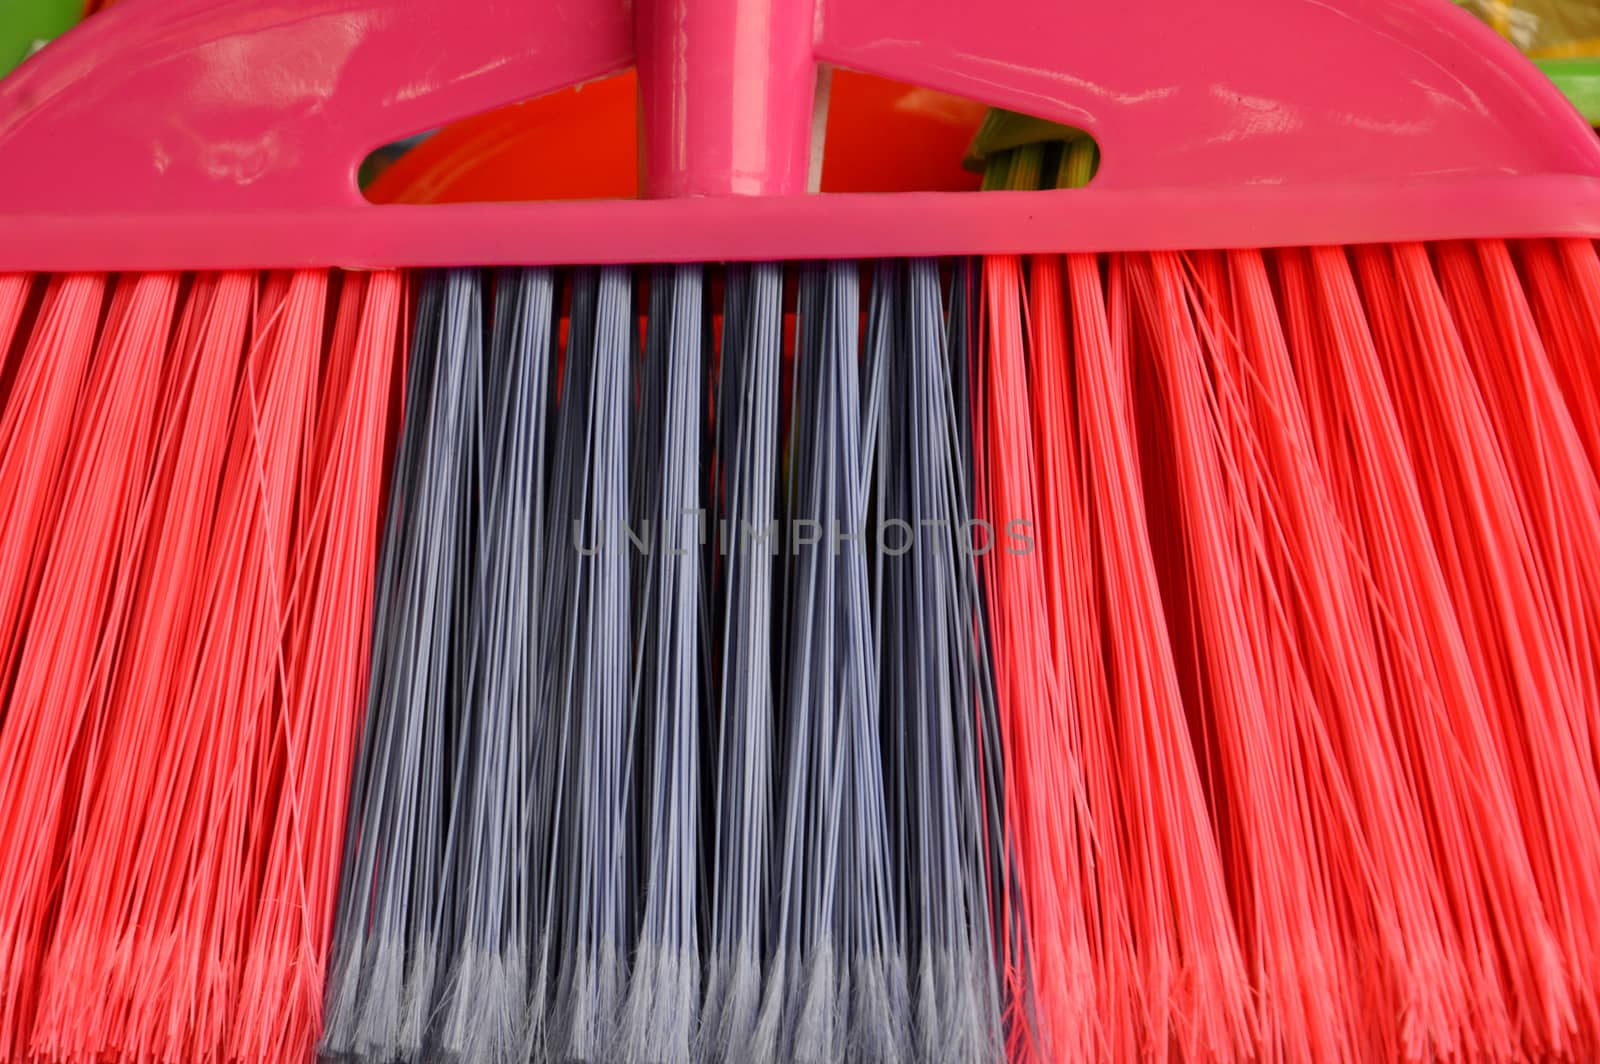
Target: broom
1233 698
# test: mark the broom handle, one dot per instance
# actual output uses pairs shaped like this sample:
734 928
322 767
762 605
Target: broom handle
726 96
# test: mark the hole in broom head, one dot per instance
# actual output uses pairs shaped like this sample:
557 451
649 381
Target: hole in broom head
876 135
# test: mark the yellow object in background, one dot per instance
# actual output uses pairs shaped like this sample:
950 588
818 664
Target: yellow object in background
1545 29
1561 36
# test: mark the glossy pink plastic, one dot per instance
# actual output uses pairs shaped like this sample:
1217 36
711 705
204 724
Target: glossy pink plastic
226 133
725 91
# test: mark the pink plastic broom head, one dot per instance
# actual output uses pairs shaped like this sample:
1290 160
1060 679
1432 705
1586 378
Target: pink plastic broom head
231 133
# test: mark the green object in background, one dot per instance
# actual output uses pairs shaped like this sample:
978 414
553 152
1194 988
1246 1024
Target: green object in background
1004 131
1579 79
23 23
373 166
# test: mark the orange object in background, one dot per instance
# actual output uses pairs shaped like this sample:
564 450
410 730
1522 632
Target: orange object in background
887 137
582 143
579 143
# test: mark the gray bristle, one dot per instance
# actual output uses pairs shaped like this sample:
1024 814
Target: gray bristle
879 1024
710 1043
536 1034
495 826
504 1037
936 681
971 1032
844 1014
680 1007
816 1024
730 1032
662 1006
769 1036
589 623
930 1003
343 996
610 981
575 1023
464 986
377 1030
421 985
594 577
484 1011
444 826
585 1020
636 1032
747 465
658 1020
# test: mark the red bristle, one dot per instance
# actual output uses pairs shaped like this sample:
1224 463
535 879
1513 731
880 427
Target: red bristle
36 429
1252 689
1555 480
195 895
55 720
1563 286
1443 716
1361 448
1064 542
1482 543
14 289
91 986
1047 807
1368 822
1195 996
1558 511
1342 997
280 1011
180 912
337 375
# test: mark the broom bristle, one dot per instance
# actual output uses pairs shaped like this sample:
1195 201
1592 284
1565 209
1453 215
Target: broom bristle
747 469
925 635
1171 655
590 624
1490 529
484 1008
1193 982
280 1012
836 924
57 698
391 932
1451 761
1054 833
92 950
658 1017
14 291
1366 817
1064 539
1562 284
230 699
1473 523
1556 501
1284 905
998 882
1372 540
36 429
